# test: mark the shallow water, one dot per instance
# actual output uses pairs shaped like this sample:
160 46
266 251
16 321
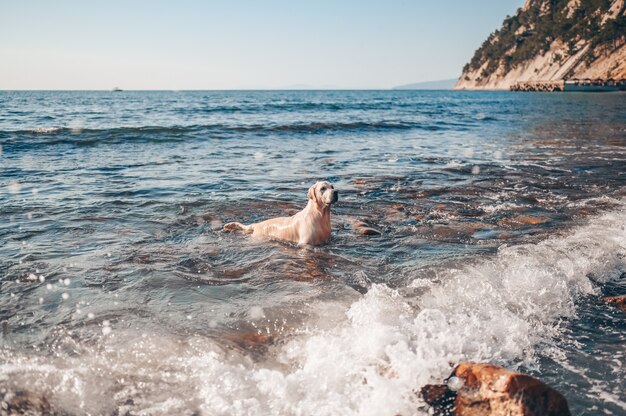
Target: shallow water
503 221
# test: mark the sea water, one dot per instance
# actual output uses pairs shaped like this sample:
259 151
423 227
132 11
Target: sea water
502 220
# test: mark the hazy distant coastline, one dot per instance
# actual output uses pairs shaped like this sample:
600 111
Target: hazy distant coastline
444 84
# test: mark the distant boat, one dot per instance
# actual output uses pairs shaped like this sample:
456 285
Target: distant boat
117 89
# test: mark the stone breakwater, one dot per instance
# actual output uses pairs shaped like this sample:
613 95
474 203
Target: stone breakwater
538 86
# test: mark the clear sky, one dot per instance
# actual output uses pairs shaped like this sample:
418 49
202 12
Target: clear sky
239 44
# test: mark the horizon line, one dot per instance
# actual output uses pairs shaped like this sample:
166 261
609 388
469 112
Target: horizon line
229 89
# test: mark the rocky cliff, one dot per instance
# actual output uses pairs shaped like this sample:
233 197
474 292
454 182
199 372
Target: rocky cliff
550 40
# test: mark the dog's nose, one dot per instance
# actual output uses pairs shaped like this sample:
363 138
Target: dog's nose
335 196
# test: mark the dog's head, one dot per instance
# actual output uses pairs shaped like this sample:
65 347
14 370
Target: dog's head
323 194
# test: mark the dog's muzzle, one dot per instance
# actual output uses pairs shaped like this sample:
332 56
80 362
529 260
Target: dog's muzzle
335 196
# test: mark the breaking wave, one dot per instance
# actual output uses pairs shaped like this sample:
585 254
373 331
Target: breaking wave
353 356
290 128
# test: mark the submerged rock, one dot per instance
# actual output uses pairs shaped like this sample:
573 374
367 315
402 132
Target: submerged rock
362 228
485 389
250 340
522 220
367 231
617 301
23 403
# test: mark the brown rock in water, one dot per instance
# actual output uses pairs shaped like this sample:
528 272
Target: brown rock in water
440 398
364 183
522 220
617 301
491 390
367 231
394 214
251 341
23 403
359 224
361 227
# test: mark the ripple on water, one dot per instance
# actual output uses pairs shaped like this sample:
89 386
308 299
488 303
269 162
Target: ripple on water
495 236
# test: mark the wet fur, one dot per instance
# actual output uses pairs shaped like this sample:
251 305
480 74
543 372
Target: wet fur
311 226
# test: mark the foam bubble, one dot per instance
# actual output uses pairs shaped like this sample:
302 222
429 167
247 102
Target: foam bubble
256 313
455 383
453 164
14 187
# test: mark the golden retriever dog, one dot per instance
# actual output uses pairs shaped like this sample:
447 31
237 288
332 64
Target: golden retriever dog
311 226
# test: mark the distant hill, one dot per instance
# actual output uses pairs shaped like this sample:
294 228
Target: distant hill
552 40
445 84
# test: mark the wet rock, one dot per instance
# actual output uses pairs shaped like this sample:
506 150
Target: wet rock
455 230
358 224
362 228
205 217
522 220
440 398
418 217
394 213
250 341
234 273
23 403
363 231
617 301
484 389
364 183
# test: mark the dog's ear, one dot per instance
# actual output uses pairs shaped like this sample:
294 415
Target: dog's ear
311 194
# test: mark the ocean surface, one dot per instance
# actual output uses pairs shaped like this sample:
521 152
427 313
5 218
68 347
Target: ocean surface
502 220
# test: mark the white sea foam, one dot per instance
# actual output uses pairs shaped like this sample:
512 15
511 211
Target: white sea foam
501 207
366 357
46 130
453 164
